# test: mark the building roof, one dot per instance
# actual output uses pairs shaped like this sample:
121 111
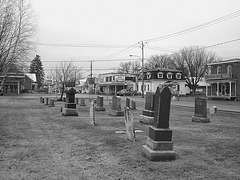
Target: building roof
32 76
164 70
226 61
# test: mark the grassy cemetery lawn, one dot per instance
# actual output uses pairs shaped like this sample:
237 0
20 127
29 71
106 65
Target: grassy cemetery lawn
37 142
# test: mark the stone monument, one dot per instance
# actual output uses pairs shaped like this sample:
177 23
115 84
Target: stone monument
148 113
70 105
159 145
133 105
92 113
115 107
46 101
129 123
99 106
200 114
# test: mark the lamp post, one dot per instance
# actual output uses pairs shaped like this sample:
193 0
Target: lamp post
142 73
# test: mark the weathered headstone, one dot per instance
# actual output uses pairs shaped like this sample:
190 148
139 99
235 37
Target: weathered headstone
129 123
92 113
148 113
200 114
99 106
70 106
43 100
115 107
46 100
82 102
133 105
128 102
213 110
51 104
40 99
159 145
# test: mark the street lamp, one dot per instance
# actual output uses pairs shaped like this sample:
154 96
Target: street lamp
142 73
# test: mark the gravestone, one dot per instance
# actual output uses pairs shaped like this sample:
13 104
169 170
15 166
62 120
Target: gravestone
82 102
51 104
159 145
115 107
70 106
148 113
128 102
43 100
40 99
99 106
46 100
92 113
200 114
213 110
133 105
129 123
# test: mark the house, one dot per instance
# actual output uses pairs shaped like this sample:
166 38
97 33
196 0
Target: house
163 76
16 82
111 83
224 80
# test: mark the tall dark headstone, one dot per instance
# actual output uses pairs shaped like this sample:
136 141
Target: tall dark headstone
99 106
200 114
159 145
148 113
70 106
127 102
115 107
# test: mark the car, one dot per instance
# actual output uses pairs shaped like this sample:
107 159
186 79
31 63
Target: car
124 92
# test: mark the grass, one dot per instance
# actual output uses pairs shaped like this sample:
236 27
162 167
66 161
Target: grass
37 142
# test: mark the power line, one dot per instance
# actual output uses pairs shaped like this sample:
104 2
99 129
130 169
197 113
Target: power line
83 45
201 26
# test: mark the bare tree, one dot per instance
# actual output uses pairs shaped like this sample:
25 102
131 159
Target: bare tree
135 67
160 61
63 73
17 29
192 61
124 67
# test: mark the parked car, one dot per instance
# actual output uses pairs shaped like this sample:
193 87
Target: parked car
124 92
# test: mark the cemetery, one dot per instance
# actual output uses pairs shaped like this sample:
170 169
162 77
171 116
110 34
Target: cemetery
39 142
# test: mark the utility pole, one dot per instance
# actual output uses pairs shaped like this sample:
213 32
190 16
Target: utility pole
142 48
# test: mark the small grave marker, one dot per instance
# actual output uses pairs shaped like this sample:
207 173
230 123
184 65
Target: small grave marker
200 114
148 113
129 123
99 106
92 113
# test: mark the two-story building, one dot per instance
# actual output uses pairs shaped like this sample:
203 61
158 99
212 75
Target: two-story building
111 83
224 80
163 76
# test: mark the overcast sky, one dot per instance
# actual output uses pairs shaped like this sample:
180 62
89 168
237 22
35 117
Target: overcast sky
115 25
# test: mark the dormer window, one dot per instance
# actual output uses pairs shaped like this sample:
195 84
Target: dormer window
160 75
178 75
148 75
169 75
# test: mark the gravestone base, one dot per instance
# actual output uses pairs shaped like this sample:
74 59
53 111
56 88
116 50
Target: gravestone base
157 155
159 134
69 112
148 113
146 119
100 108
159 145
200 119
116 113
70 105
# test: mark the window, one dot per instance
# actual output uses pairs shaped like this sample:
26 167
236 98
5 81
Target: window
218 70
148 87
169 75
160 75
178 76
209 70
229 69
148 75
